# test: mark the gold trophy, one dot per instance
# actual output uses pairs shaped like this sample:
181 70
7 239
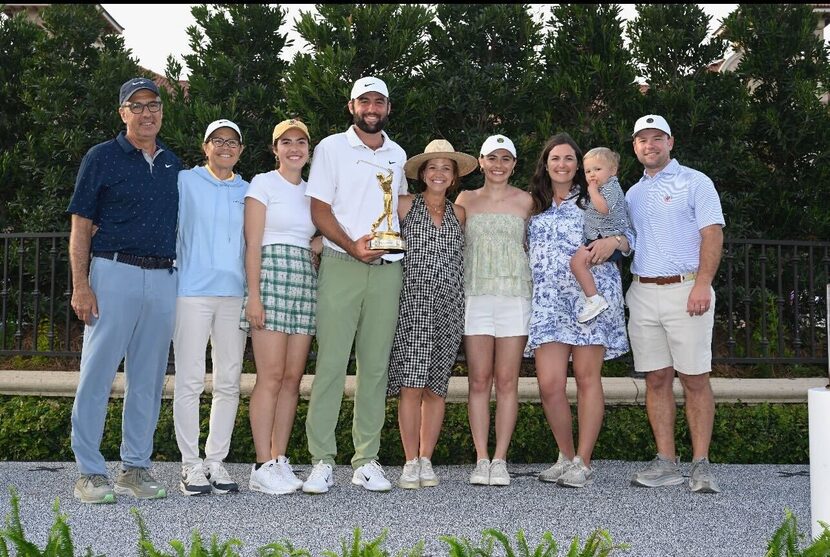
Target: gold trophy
388 240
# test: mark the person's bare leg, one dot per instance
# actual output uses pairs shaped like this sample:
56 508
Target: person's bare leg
295 360
662 409
581 269
269 357
700 411
552 374
432 418
508 361
479 350
409 420
590 400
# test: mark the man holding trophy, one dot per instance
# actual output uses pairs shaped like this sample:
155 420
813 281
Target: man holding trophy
354 183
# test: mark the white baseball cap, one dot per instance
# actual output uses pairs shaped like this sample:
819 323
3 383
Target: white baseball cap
216 124
495 142
368 84
651 121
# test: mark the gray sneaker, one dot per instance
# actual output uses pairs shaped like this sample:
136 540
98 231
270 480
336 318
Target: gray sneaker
577 474
94 488
660 472
700 477
553 473
139 483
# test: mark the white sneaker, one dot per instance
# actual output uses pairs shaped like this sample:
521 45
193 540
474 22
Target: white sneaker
372 477
288 472
410 477
553 473
426 475
320 479
268 479
220 481
593 307
498 472
577 474
481 473
193 480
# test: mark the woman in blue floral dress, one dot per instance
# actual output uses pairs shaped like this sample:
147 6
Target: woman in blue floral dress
555 231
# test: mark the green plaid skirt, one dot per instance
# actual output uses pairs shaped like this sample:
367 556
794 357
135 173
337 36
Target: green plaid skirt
288 289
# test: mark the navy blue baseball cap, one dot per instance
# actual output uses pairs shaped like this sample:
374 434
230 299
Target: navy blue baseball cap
133 85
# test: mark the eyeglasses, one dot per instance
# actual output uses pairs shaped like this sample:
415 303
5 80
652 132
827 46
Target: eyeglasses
219 141
138 108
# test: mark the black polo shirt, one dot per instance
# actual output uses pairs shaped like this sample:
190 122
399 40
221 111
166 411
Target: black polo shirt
134 204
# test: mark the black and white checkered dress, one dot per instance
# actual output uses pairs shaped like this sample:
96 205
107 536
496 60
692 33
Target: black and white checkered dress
431 320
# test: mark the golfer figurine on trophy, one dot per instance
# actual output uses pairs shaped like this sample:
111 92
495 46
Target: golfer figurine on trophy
388 240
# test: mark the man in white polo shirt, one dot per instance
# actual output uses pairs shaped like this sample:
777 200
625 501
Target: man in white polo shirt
677 218
358 288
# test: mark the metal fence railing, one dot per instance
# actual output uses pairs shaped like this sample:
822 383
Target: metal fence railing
771 300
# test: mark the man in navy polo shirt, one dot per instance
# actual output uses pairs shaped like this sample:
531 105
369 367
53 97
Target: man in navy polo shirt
121 248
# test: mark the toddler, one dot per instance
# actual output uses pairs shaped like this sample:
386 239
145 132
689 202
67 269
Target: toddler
605 216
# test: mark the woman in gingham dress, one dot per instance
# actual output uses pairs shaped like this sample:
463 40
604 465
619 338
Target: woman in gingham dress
431 320
280 302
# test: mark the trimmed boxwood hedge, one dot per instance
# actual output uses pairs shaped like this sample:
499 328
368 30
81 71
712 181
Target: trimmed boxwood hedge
37 429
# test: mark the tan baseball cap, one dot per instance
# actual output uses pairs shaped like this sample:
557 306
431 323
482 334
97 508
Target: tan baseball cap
290 124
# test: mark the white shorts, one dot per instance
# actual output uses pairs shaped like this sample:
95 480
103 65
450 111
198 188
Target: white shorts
662 333
497 316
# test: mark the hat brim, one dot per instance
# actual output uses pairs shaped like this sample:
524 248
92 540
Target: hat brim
466 163
288 129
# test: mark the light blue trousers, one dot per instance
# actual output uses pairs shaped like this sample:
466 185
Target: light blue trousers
136 314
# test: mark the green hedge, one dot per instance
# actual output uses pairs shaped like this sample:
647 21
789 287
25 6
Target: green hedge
36 428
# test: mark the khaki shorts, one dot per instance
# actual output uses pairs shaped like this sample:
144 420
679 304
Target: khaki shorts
497 316
662 333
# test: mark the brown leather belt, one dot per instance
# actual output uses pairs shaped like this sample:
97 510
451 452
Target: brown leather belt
660 281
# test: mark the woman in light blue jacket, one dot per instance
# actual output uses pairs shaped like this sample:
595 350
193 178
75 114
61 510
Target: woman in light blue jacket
211 283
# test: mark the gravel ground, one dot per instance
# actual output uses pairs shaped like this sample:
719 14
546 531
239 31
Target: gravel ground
655 522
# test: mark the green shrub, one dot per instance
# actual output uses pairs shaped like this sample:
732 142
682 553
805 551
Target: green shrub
37 428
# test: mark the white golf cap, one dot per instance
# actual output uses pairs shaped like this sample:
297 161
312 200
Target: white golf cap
368 84
495 142
651 121
216 124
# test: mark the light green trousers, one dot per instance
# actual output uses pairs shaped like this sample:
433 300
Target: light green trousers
356 304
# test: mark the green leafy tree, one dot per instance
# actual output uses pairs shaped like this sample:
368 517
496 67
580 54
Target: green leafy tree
236 72
349 41
483 79
69 103
707 110
786 68
18 46
589 87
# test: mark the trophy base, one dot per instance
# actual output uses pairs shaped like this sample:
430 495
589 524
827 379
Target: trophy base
390 242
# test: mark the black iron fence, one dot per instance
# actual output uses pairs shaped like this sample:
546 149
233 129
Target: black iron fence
771 300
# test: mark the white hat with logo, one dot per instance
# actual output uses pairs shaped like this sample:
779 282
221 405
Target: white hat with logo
652 121
369 84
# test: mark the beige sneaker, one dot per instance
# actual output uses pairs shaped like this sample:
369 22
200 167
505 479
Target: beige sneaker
410 475
498 472
139 483
94 488
481 473
426 474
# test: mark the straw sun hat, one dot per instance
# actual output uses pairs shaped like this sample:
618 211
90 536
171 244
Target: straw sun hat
440 149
